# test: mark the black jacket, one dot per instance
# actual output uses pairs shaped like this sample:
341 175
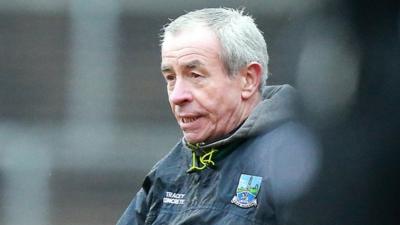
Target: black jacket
250 177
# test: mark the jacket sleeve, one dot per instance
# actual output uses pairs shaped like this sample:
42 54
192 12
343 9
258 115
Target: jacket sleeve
138 209
136 212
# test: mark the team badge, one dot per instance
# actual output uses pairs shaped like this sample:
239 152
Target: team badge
247 191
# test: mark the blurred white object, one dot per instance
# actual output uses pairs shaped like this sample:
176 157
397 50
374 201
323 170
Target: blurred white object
328 71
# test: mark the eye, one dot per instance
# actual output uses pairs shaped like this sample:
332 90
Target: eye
195 75
170 77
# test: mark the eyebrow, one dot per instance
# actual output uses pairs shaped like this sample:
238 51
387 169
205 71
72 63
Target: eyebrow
193 64
189 65
166 68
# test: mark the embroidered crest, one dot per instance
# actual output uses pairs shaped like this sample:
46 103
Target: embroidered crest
247 191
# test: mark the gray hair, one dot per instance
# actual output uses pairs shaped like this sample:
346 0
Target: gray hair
241 41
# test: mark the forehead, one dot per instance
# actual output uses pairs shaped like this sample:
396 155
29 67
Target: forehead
197 43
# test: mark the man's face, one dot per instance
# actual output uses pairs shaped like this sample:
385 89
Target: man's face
206 102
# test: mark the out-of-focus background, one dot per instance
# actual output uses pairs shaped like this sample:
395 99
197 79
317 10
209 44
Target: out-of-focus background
84 113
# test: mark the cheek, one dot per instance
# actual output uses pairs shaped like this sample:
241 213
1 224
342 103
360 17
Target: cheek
172 106
221 107
219 100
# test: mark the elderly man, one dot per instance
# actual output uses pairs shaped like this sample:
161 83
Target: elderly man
242 157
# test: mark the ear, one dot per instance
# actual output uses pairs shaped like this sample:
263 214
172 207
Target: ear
251 76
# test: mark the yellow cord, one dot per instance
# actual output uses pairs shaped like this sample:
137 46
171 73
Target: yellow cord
205 160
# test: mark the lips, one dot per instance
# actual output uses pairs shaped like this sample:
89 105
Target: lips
189 119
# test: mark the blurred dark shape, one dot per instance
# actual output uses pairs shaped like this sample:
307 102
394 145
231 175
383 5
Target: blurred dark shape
376 116
358 182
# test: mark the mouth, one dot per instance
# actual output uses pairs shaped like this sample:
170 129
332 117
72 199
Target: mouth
188 119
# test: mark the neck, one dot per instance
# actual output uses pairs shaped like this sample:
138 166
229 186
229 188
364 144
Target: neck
251 103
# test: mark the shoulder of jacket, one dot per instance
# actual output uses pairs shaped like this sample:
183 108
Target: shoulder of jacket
288 129
171 162
287 137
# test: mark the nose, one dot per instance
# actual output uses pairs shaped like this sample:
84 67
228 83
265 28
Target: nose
181 93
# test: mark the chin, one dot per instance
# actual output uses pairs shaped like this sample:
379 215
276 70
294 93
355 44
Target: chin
193 140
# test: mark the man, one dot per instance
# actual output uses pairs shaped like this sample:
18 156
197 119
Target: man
242 158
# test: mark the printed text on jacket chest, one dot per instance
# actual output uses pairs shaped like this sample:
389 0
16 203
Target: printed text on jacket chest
174 198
